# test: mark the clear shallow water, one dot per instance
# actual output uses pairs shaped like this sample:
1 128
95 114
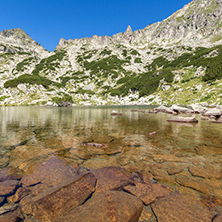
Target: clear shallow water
32 134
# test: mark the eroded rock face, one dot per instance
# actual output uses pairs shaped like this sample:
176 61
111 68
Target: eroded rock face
179 208
59 200
108 206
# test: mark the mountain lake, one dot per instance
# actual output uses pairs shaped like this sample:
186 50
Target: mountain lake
184 156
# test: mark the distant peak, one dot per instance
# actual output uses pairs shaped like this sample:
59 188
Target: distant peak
128 31
17 32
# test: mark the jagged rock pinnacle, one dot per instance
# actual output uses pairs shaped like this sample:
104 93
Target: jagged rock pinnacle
128 34
128 31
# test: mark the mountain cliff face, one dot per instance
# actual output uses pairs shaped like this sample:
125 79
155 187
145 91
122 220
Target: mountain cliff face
177 60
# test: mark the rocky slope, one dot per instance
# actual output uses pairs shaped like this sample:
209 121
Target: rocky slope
177 60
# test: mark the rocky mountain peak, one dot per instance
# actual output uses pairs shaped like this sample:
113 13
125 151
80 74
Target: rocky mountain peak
128 34
172 57
192 24
128 31
15 33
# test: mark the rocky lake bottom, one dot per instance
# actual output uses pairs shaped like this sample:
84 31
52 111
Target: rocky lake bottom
82 164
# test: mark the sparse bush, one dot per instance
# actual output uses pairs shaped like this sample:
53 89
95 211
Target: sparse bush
31 79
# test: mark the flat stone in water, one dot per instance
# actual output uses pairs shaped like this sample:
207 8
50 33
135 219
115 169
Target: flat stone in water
8 208
205 172
8 187
59 200
13 216
107 206
20 193
148 193
178 208
192 183
100 162
111 178
51 172
218 218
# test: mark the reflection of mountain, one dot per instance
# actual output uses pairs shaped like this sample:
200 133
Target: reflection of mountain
22 123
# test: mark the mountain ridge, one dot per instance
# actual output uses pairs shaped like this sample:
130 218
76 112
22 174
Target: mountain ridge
179 56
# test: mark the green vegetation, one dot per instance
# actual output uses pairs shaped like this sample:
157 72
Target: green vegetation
124 53
75 76
2 98
145 83
106 52
138 60
134 52
31 79
105 67
51 62
65 98
20 67
82 91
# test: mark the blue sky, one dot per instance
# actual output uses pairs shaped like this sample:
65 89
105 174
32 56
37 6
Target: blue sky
46 21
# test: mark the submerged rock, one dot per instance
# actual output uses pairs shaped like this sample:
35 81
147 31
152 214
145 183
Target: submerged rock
179 208
205 172
12 216
8 187
59 200
108 206
148 193
51 172
111 178
193 183
218 218
20 193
